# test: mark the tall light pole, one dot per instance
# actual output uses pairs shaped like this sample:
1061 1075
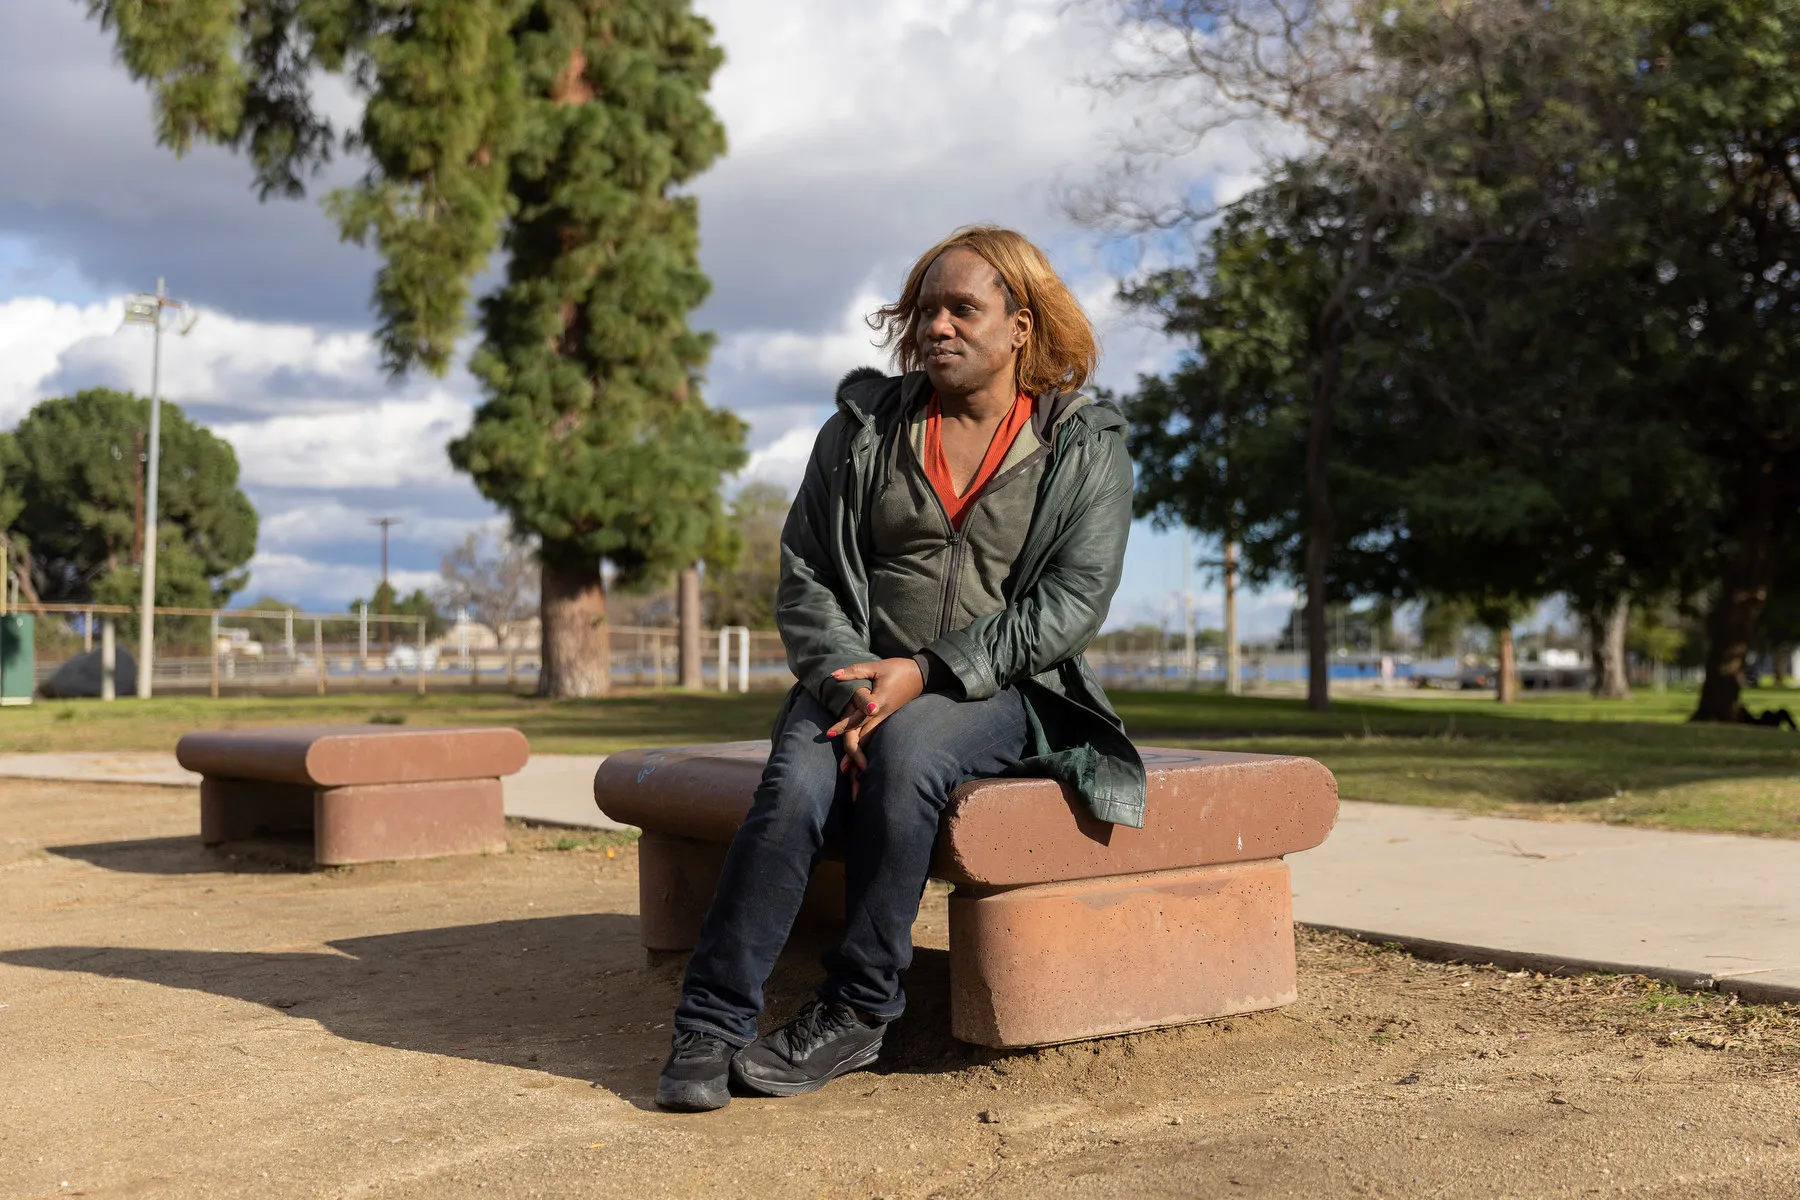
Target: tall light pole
144 309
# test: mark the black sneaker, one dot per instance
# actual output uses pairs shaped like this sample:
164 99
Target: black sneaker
695 1078
826 1040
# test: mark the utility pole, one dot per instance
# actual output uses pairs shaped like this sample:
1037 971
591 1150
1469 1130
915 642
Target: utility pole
144 309
386 592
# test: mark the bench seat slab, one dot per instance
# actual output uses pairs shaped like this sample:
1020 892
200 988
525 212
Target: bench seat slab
351 755
1205 807
1059 962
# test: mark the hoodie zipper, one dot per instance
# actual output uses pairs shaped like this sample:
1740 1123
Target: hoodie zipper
951 579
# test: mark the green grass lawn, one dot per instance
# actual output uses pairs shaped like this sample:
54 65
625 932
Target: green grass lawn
1632 762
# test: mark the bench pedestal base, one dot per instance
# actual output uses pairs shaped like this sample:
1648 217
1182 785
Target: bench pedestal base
1055 962
370 823
1058 962
677 877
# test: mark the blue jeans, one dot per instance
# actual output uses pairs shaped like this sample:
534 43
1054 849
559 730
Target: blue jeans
917 757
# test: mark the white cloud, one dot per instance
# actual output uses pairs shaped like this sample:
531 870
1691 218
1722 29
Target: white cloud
810 358
35 334
328 522
783 461
292 577
387 444
251 366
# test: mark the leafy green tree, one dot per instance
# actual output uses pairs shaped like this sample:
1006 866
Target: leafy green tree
744 593
418 604
80 476
562 132
11 501
268 631
1426 123
1712 182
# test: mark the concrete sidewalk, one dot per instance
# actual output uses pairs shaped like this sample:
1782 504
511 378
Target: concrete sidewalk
555 789
1703 910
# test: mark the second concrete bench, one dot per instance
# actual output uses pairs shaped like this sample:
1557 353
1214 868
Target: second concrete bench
366 793
1062 927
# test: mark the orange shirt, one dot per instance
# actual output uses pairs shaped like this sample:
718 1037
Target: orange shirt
937 469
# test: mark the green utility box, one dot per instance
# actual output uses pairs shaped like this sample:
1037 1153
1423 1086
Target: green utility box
18 658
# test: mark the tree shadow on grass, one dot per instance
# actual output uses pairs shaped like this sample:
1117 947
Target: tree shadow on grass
572 996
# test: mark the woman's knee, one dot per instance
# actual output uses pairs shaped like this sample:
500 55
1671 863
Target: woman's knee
920 739
798 788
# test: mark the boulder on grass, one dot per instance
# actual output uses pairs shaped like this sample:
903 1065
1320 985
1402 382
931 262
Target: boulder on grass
79 678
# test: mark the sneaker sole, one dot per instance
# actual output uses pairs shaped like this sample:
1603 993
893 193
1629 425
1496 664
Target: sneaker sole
694 1097
765 1087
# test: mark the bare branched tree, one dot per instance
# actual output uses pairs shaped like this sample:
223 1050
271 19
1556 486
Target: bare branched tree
1410 116
494 580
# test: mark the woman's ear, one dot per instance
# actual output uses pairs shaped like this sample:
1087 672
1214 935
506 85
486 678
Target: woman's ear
1022 325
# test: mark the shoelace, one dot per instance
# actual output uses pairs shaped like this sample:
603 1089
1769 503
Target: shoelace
691 1044
816 1023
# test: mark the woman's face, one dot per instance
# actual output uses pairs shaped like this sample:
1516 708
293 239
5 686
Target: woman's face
966 338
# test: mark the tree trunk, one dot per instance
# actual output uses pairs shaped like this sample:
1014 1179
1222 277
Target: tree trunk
1234 663
1608 635
689 606
1506 679
1743 593
1319 527
575 650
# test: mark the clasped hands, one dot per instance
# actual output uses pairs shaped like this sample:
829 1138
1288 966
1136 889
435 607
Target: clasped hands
893 683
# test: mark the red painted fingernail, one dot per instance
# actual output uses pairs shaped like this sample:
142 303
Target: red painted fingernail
873 707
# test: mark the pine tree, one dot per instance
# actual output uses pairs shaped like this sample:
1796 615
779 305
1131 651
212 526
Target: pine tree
557 130
80 478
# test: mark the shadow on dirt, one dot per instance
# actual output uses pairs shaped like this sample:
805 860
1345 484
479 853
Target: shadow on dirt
188 856
574 996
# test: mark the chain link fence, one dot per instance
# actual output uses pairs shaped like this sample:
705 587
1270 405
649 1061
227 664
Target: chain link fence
235 652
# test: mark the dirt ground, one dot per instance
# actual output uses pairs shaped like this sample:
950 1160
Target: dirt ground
174 1022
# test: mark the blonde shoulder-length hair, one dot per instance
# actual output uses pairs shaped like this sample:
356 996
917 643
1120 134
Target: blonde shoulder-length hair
1060 354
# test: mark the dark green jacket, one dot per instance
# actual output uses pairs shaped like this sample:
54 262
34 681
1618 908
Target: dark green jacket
1056 598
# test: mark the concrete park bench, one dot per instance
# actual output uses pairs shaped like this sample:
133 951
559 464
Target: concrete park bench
1062 927
367 793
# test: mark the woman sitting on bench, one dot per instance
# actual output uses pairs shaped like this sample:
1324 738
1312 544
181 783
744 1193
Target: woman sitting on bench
950 556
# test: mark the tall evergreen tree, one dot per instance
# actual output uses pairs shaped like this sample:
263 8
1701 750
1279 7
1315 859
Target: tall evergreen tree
559 129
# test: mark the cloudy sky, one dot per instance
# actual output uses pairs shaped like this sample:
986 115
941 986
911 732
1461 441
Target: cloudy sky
859 135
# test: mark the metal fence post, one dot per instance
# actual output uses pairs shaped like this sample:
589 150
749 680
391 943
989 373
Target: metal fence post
215 656
724 659
87 630
288 639
362 637
318 652
421 656
743 658
108 662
